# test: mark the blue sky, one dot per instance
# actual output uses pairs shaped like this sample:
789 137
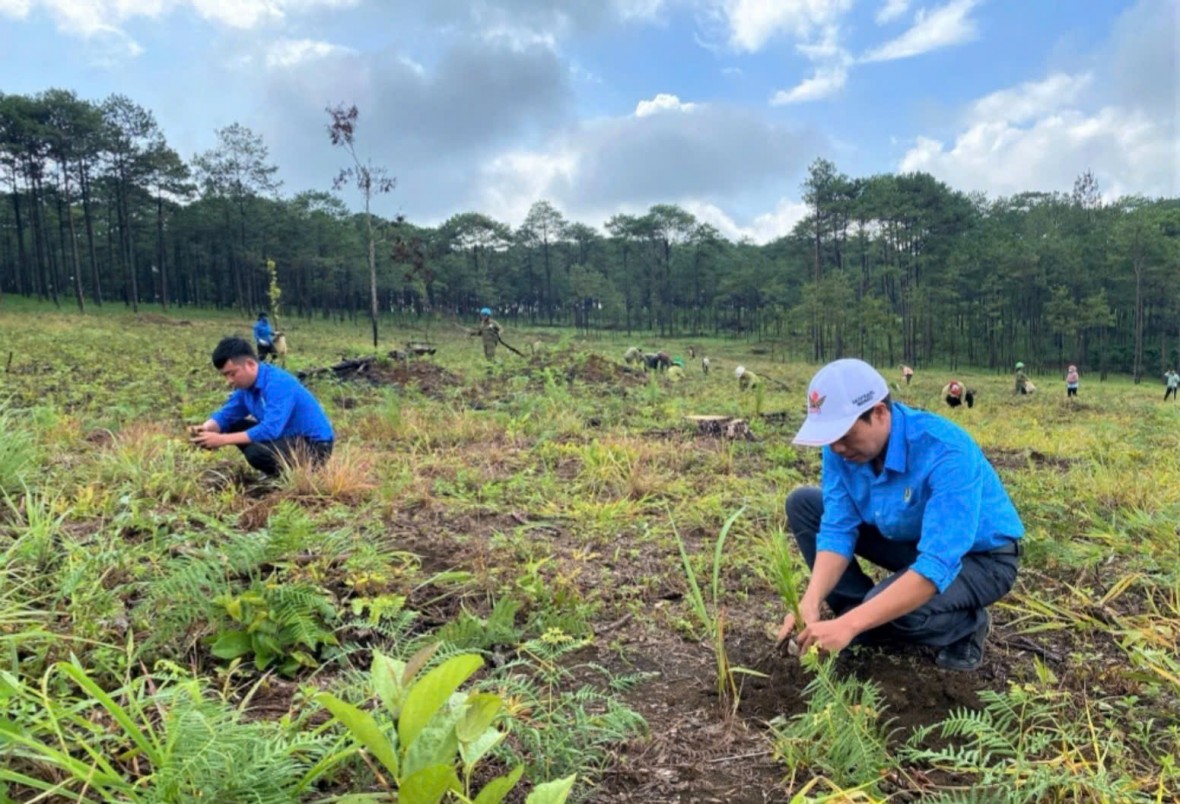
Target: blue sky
611 106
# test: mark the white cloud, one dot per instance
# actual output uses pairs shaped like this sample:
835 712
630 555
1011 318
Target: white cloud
892 10
520 39
831 70
252 13
763 229
16 8
1116 119
625 164
1030 100
826 81
239 13
417 68
752 23
290 52
943 27
1127 150
662 102
91 18
773 225
638 9
514 180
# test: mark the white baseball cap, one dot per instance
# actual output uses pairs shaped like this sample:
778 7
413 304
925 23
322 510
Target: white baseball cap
837 395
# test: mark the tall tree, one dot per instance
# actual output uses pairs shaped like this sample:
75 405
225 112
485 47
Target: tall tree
542 228
369 179
131 133
168 176
73 126
625 229
668 227
236 172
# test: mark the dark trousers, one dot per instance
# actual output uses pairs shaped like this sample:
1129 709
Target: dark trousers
1071 391
945 618
954 401
269 457
266 350
1171 392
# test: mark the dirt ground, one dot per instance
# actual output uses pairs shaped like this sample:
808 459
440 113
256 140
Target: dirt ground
430 378
695 751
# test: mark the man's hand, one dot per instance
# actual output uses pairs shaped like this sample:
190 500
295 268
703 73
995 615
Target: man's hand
830 636
207 439
809 613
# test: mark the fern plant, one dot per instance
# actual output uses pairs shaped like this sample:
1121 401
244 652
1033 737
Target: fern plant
1026 745
183 595
279 624
189 591
559 728
470 632
165 741
841 735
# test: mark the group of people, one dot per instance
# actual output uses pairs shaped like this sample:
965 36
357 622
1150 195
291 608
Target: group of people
956 393
672 367
902 488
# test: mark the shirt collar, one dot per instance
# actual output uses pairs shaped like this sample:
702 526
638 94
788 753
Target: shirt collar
895 453
263 378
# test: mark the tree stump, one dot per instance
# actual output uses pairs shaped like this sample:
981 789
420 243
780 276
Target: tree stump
722 427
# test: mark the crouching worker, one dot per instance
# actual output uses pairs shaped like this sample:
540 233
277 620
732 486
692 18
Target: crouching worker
955 394
911 492
746 378
269 416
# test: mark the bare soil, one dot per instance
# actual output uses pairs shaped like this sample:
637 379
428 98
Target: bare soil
430 378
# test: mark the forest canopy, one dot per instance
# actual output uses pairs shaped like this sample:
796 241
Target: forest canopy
96 208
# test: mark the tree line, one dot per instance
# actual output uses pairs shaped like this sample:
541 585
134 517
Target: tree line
96 208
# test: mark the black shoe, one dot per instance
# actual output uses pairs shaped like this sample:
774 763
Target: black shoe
966 654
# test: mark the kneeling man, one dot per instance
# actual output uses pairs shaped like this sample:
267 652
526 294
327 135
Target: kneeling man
911 492
270 417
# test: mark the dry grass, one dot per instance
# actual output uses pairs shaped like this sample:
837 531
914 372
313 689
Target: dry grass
347 477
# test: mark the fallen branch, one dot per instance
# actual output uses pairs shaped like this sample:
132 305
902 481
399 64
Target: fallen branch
619 623
345 369
1025 644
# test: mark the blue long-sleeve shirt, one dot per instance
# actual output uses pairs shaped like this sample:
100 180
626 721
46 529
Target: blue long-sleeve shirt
282 407
263 333
936 489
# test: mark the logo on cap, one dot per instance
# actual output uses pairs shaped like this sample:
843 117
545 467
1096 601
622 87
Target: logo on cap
815 402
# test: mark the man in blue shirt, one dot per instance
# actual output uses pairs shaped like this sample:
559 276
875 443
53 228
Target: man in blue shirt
913 493
264 336
270 417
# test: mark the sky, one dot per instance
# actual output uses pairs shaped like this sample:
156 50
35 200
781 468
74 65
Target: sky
610 106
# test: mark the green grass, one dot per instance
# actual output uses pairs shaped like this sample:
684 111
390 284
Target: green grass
516 491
